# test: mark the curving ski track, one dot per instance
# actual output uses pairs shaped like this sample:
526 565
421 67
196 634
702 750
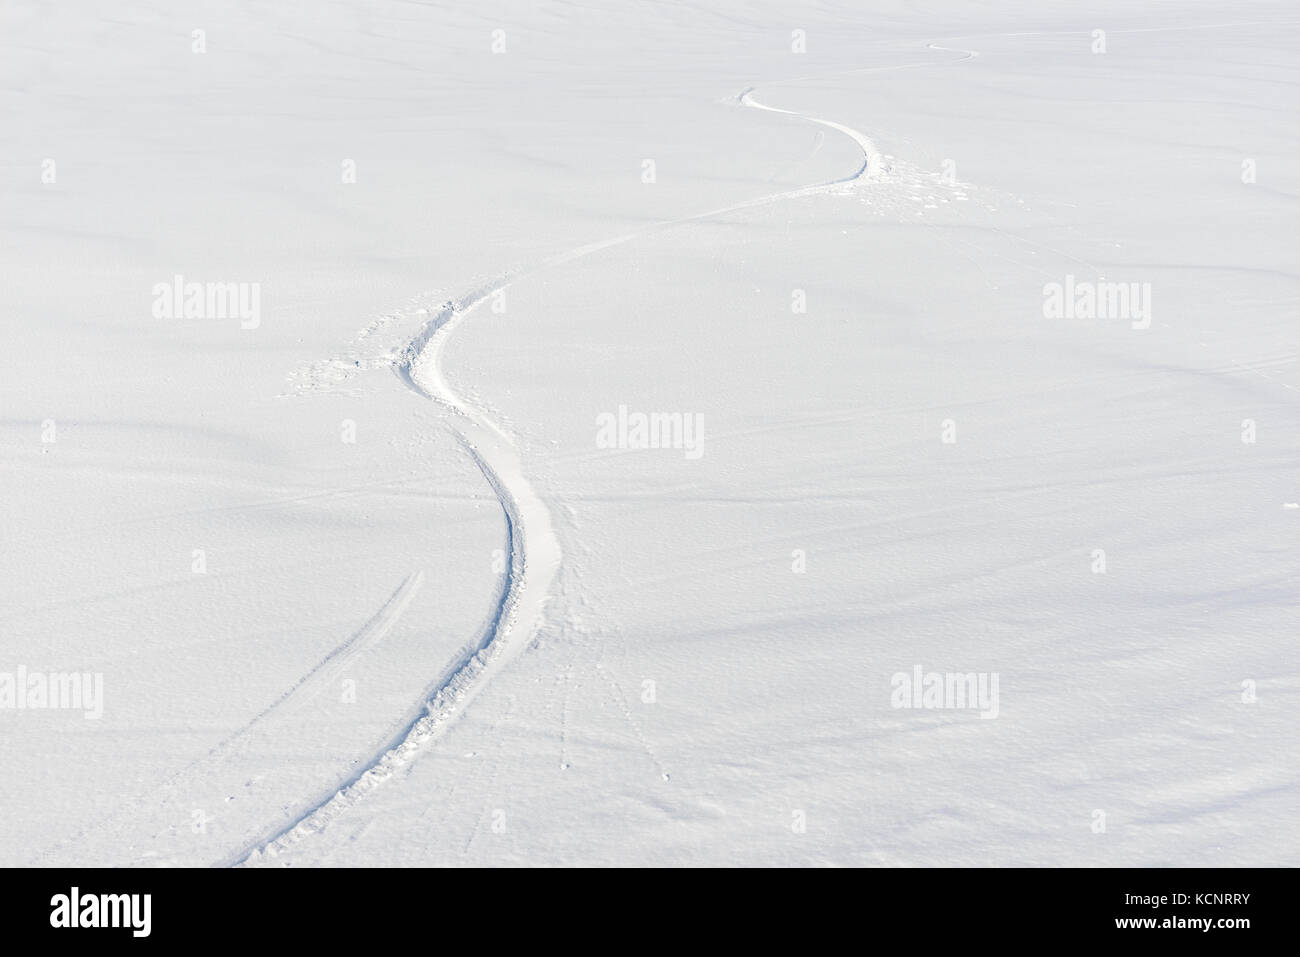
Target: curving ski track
535 552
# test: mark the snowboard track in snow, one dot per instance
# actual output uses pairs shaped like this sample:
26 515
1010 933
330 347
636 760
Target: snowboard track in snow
530 539
534 551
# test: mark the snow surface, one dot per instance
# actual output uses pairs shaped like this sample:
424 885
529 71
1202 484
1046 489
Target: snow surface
366 588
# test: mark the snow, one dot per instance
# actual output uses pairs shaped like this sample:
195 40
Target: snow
365 588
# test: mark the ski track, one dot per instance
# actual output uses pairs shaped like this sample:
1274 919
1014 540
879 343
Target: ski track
534 549
305 690
535 553
310 686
